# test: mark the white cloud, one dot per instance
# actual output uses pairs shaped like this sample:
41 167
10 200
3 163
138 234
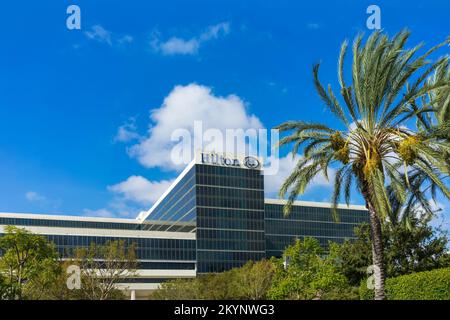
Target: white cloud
98 213
33 196
127 132
140 190
272 183
42 201
313 26
125 39
117 207
100 34
179 46
181 108
130 197
176 45
213 32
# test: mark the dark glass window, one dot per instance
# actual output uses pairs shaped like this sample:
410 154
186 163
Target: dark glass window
305 221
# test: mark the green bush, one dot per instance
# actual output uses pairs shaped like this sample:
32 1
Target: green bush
364 292
427 285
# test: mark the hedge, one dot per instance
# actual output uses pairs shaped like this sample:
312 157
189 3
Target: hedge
427 285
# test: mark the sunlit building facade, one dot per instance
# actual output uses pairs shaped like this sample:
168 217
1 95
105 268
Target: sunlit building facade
213 217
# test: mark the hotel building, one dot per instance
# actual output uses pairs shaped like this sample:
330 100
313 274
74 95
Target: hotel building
213 217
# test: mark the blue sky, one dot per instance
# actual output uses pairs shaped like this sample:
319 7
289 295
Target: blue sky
65 94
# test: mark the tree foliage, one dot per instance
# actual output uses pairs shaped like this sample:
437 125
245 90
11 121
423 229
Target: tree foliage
426 285
389 86
309 275
250 282
408 249
103 268
30 268
27 261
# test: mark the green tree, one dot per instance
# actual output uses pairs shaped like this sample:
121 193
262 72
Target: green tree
436 118
103 267
254 279
27 259
42 285
375 147
433 120
178 289
52 286
4 288
250 282
408 249
309 275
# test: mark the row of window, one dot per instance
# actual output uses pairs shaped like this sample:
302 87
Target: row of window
209 256
219 213
176 227
221 261
167 265
234 193
69 223
94 224
182 209
229 177
146 248
230 198
230 245
143 254
230 223
186 184
231 182
244 235
144 280
227 171
229 188
279 243
153 243
275 211
309 228
244 203
218 266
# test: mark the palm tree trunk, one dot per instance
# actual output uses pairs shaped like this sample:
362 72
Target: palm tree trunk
377 253
377 248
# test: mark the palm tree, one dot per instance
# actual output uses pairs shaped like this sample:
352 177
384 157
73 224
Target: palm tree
376 149
437 117
433 120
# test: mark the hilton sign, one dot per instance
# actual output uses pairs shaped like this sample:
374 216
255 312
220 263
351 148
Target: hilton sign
212 158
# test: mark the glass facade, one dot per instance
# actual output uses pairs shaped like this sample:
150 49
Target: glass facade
151 253
146 225
177 207
68 223
230 217
146 248
221 217
308 221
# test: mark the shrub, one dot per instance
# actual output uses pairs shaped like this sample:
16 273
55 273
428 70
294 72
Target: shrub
251 281
310 275
427 285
